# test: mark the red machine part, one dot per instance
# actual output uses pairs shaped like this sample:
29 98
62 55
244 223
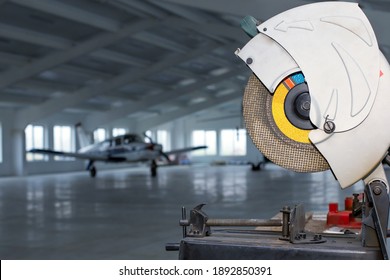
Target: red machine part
343 218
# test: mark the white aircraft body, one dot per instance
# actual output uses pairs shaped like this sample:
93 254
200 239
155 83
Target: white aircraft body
124 148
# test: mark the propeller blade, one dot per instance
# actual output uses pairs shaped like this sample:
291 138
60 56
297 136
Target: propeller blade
165 156
150 138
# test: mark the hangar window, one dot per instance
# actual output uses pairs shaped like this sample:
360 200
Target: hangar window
163 138
35 138
233 142
205 138
148 136
63 139
117 131
99 135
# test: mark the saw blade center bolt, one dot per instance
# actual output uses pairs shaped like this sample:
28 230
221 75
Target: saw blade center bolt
297 107
302 105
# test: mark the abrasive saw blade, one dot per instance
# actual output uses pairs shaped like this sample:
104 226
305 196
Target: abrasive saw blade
259 116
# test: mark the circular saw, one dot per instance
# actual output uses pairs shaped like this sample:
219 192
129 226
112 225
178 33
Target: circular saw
318 97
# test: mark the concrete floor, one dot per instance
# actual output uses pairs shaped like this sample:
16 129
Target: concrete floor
126 214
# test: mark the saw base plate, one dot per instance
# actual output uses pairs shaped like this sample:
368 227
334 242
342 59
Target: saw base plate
225 245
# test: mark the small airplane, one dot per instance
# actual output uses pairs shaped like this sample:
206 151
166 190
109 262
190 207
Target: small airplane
123 148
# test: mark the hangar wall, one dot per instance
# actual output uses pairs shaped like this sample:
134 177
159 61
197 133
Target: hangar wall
14 163
182 128
13 143
219 123
7 166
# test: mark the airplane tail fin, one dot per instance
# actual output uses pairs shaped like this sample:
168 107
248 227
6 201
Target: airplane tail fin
82 136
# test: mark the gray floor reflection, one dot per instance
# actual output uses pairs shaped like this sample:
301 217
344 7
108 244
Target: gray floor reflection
126 214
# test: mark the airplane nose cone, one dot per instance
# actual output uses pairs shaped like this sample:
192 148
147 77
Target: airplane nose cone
157 147
154 147
150 147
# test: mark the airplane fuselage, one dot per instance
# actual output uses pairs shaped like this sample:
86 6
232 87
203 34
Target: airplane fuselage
129 148
129 153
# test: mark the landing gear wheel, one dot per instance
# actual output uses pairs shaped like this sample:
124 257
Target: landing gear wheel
153 168
256 167
92 171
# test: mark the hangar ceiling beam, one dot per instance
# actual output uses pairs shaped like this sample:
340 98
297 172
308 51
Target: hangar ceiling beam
96 74
59 43
55 42
195 91
127 9
167 117
61 9
20 99
215 29
264 9
33 37
260 9
99 119
195 16
100 41
19 60
120 58
159 41
144 7
182 11
49 86
220 61
53 106
186 74
30 69
152 85
13 59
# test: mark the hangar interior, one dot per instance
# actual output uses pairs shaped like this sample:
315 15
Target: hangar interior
166 67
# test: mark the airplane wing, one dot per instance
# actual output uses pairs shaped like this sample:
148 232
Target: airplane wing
183 150
69 154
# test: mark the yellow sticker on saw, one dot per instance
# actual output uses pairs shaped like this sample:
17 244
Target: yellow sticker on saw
278 113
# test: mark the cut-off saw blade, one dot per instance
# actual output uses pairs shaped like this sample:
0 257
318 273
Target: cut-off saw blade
271 132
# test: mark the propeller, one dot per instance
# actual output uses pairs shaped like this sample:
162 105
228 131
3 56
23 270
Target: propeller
164 155
150 138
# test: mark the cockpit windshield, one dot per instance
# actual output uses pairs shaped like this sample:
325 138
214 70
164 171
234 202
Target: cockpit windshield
130 138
